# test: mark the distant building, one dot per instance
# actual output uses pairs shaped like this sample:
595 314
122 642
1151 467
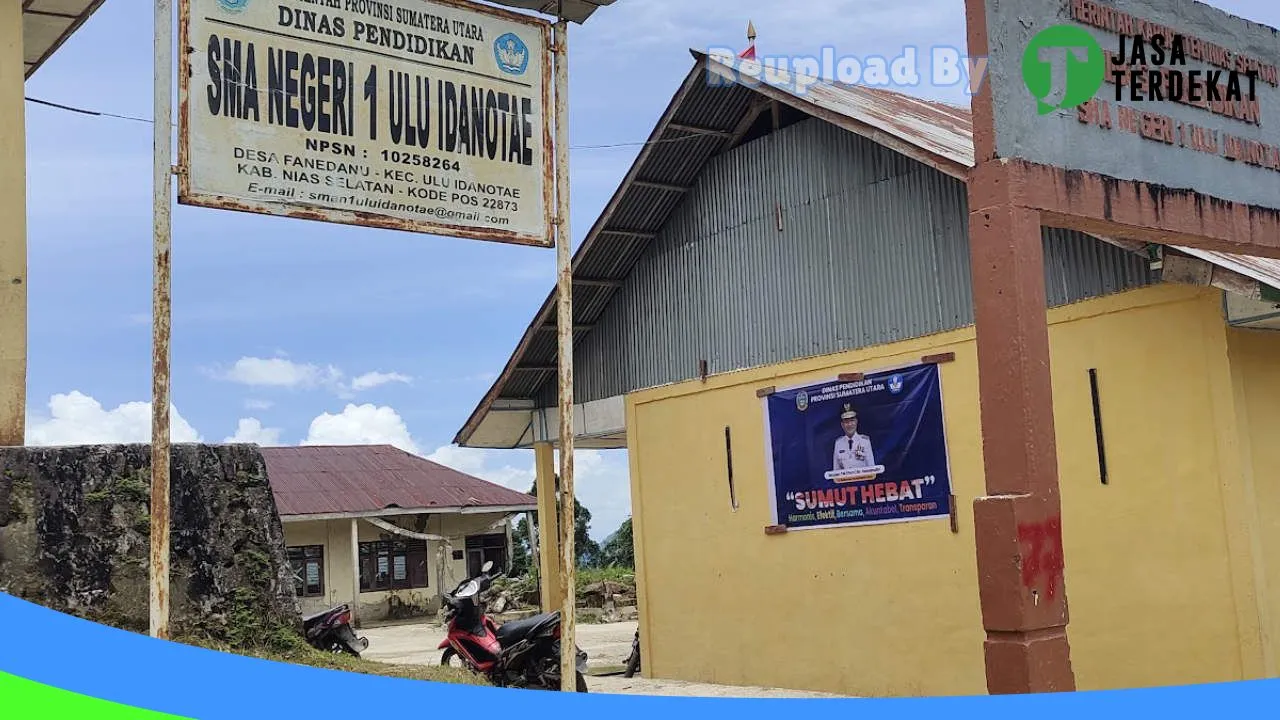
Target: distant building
355 520
767 238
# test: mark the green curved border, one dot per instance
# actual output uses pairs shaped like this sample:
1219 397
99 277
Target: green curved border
24 699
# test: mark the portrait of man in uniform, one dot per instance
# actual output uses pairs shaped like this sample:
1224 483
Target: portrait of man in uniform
852 451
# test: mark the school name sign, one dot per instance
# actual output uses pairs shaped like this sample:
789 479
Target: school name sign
1173 93
429 116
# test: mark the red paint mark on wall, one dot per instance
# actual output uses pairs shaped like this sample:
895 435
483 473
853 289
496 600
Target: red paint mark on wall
1042 558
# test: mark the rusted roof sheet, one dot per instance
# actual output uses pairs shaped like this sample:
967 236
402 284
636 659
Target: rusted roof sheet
943 130
1264 270
323 480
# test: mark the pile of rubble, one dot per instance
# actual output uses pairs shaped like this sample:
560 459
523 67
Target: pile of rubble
601 602
607 602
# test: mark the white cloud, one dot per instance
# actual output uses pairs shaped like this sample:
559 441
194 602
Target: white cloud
361 425
281 373
251 431
77 419
601 478
476 463
368 381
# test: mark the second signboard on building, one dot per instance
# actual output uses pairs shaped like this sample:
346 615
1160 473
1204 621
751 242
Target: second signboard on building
429 116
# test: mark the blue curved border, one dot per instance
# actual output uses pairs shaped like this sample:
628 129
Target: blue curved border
95 660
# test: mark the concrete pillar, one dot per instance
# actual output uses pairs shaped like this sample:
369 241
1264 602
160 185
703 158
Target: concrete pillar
13 229
355 571
507 553
548 536
1018 525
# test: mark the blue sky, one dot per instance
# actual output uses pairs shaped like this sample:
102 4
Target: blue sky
287 331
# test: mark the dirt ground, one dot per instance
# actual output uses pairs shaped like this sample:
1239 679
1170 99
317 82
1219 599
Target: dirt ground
607 648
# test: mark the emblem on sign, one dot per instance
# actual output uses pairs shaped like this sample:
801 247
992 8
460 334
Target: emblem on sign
895 384
512 54
234 6
802 401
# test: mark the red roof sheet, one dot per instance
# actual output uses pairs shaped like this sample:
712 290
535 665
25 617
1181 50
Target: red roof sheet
314 480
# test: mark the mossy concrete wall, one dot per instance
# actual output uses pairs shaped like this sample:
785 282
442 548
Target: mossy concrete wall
75 527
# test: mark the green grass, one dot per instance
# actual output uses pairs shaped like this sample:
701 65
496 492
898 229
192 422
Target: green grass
309 656
590 576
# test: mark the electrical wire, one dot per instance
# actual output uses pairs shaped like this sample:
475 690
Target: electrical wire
607 146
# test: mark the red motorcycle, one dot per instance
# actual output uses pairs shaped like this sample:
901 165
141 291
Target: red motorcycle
518 654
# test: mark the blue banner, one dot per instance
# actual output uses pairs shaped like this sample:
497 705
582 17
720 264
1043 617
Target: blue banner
861 452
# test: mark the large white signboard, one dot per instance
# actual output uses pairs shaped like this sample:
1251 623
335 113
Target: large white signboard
423 115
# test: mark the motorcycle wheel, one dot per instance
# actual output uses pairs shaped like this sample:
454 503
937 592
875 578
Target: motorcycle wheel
633 665
448 655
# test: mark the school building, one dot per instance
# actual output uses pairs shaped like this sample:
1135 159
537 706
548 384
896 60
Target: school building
770 236
383 530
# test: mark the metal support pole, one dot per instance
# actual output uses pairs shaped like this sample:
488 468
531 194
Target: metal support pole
160 323
564 330
548 524
13 230
355 572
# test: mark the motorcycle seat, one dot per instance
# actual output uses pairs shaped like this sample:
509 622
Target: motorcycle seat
309 619
510 633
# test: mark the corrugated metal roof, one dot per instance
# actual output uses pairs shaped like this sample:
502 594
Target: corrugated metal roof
938 128
321 480
706 118
1264 270
46 25
574 10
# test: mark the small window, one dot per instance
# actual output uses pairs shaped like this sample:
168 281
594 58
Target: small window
307 563
393 565
482 548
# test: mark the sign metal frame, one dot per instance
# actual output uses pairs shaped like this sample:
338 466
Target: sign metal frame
374 219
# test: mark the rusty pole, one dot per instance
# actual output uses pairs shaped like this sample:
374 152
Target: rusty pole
13 231
160 323
564 333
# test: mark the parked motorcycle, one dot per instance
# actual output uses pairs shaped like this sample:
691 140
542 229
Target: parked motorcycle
633 662
331 631
517 654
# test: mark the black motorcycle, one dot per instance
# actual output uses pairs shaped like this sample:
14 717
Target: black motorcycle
633 662
331 631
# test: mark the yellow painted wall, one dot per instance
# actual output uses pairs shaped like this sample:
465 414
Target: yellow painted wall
1255 358
1159 592
339 574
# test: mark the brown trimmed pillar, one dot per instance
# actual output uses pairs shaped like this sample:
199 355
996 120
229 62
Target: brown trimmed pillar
1018 525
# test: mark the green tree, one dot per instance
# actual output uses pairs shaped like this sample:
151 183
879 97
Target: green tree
521 552
619 549
587 550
